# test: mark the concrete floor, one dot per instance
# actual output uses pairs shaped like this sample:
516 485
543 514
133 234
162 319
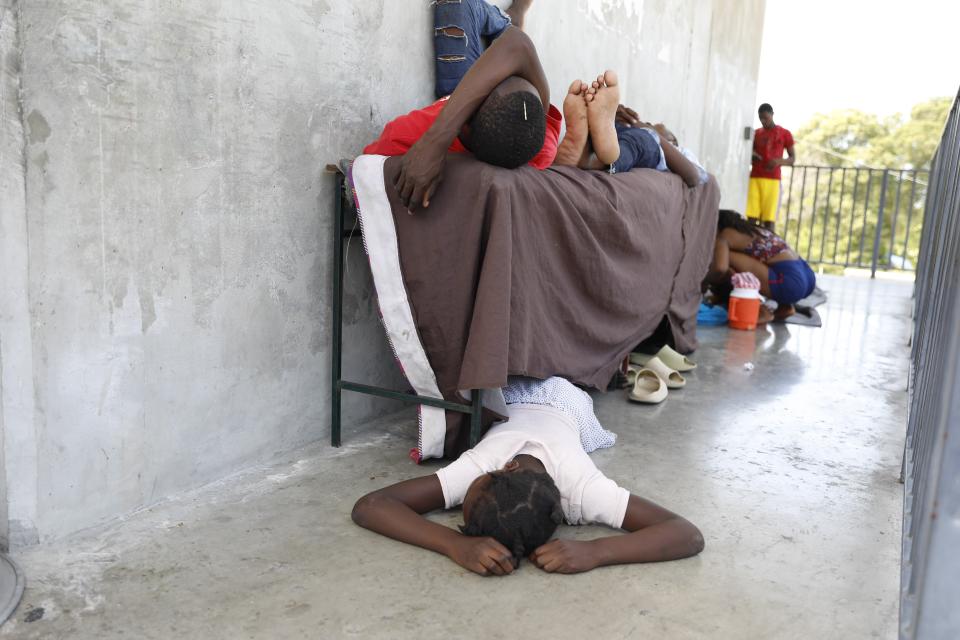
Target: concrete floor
790 470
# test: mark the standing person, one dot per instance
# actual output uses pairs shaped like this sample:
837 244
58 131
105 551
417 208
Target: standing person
769 143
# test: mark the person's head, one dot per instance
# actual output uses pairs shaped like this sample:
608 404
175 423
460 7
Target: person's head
666 134
519 508
766 115
508 128
730 219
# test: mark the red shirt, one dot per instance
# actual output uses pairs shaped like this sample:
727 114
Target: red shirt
769 143
400 134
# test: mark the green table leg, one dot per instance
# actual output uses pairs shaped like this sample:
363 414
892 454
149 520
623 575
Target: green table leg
475 415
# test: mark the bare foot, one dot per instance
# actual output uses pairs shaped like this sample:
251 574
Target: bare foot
601 111
764 316
574 143
783 312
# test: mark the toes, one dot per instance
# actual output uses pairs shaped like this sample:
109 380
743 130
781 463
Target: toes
610 78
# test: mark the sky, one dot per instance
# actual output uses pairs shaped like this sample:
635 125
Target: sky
880 56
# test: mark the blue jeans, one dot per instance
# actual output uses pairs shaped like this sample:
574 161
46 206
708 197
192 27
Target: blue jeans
455 54
639 149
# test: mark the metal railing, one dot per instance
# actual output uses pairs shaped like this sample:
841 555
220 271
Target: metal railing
853 216
930 576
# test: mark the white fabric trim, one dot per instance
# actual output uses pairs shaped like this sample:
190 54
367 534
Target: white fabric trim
492 399
380 240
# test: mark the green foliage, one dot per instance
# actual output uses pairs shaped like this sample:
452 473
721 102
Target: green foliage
849 137
830 215
876 171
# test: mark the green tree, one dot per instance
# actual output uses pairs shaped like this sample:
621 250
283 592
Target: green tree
844 137
830 215
913 142
850 137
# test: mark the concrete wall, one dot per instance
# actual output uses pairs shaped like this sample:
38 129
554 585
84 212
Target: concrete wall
16 359
166 219
179 238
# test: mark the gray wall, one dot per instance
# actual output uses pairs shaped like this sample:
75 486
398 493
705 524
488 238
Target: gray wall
16 363
165 247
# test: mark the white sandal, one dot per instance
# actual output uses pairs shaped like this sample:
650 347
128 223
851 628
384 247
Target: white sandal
648 388
674 360
670 377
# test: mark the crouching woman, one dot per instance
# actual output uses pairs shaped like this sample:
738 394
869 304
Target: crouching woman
744 248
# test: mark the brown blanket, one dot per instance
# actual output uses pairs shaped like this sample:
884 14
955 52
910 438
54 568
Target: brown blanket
543 273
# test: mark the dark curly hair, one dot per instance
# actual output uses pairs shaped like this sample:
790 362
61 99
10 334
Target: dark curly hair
508 130
519 509
730 219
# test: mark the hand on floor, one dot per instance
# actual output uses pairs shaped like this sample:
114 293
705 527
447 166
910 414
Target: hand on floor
484 556
565 556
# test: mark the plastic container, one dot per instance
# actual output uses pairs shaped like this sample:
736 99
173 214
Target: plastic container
744 309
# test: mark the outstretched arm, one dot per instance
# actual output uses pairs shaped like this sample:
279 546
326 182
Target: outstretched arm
678 164
653 535
396 512
512 54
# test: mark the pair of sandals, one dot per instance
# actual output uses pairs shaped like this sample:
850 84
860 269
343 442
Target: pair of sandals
650 376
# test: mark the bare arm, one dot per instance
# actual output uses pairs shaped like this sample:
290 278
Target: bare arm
512 54
627 116
720 266
518 11
780 162
654 534
678 164
790 159
396 512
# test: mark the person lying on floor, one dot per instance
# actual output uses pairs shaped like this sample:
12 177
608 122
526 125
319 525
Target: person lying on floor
742 247
525 477
496 110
